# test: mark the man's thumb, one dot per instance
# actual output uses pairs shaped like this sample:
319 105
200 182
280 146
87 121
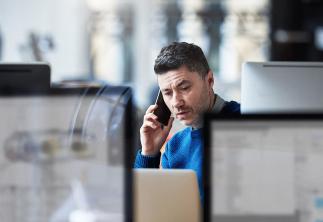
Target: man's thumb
170 123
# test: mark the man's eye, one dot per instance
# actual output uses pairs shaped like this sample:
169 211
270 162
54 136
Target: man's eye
185 88
167 93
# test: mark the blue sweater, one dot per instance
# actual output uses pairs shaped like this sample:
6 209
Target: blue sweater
184 150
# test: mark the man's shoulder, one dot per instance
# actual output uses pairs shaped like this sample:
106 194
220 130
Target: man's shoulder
231 107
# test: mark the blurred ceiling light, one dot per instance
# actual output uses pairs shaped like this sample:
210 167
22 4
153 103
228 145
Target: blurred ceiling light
100 5
238 5
191 5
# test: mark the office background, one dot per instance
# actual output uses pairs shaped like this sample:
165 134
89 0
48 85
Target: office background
117 41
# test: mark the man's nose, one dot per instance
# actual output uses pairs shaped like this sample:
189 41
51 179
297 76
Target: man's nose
178 101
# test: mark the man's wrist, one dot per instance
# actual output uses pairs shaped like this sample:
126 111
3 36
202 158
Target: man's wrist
147 161
149 153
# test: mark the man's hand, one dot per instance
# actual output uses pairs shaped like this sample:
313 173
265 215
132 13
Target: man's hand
152 133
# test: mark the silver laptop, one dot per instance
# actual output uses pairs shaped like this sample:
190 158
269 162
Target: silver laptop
282 87
264 168
166 195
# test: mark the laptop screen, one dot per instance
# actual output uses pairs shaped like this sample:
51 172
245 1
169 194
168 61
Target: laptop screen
280 86
264 168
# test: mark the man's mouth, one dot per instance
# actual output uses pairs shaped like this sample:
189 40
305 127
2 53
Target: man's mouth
182 114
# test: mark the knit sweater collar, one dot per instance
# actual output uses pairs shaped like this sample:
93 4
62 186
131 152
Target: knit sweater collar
195 132
217 107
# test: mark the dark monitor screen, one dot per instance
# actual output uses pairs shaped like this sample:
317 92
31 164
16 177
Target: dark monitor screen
21 78
263 168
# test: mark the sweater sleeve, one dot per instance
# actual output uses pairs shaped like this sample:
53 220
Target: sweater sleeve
164 158
147 161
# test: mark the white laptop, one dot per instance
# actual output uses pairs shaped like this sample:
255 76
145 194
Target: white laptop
166 195
282 87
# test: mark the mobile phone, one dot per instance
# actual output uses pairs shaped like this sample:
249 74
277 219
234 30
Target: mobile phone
162 112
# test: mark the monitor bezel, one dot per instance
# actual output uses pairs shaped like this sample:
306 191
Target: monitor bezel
126 99
210 118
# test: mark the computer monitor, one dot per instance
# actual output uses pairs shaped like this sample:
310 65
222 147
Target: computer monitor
65 154
264 168
24 77
282 87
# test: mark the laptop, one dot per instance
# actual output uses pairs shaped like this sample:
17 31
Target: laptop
170 195
264 168
284 87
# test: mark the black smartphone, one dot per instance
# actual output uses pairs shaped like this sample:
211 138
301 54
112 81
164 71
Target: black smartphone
162 111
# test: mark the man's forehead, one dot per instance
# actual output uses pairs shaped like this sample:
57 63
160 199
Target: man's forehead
173 83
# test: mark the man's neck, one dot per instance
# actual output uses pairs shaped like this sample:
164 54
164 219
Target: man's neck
199 122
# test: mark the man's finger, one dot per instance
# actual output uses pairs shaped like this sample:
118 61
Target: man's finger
151 117
170 123
148 126
151 109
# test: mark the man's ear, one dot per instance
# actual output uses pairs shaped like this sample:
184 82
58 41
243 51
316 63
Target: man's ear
210 79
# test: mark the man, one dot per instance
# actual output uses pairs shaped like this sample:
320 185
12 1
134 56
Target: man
186 83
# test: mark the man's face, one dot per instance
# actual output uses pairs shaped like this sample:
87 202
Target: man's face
186 94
